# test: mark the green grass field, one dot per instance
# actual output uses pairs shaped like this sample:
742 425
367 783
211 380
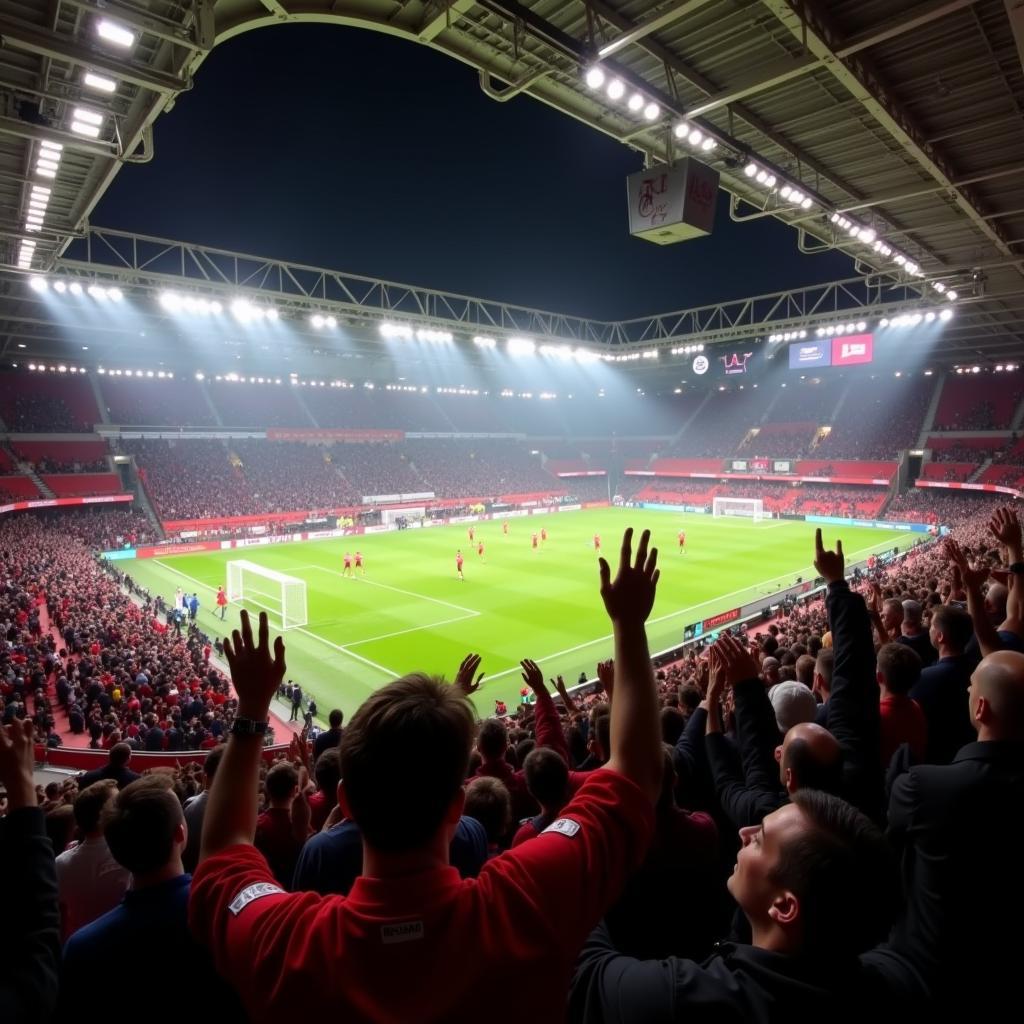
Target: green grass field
411 612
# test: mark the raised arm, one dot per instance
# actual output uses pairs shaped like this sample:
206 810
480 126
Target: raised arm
30 943
635 728
984 630
230 817
548 726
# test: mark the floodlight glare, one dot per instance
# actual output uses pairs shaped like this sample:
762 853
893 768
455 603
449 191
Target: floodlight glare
652 111
681 130
616 89
75 288
750 170
696 137
38 284
330 321
115 294
946 315
114 33
80 128
98 82
595 78
635 102
60 286
708 144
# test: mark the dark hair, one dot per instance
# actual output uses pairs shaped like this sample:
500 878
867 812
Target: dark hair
493 739
60 826
673 722
335 718
955 624
805 670
824 663
120 754
89 804
601 732
281 780
328 772
842 871
769 645
690 697
899 665
810 771
488 800
212 761
547 777
524 748
139 824
404 757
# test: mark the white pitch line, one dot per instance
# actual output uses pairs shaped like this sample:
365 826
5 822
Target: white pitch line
411 629
669 615
399 590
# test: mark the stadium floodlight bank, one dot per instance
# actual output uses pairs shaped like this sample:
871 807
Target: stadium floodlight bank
280 595
743 508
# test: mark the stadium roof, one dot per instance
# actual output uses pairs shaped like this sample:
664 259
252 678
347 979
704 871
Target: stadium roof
905 118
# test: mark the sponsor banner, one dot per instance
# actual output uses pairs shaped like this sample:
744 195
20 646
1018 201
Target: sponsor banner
809 353
464 519
118 554
540 511
103 499
853 349
322 534
781 466
166 550
956 485
177 525
514 513
595 504
378 529
585 472
357 436
385 499
567 508
696 509
873 524
721 618
639 472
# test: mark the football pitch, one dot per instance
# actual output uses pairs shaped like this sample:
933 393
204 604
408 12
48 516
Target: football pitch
411 612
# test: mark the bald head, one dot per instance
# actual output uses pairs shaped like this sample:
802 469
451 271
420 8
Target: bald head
997 697
995 602
809 758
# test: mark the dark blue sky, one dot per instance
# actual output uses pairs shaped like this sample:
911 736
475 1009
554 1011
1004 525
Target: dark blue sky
353 150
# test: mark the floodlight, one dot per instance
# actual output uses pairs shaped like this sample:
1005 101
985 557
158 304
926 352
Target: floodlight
652 111
81 128
951 295
87 116
946 315
862 326
60 286
56 147
98 82
115 33
616 89
695 137
115 294
635 102
785 191
750 170
38 284
75 288
929 317
330 321
97 292
271 313
521 347
681 130
761 177
595 77
317 320
708 144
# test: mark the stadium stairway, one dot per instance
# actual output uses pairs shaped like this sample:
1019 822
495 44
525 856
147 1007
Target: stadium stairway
28 471
976 475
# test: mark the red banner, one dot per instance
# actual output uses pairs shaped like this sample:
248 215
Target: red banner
102 499
352 436
164 550
956 485
721 619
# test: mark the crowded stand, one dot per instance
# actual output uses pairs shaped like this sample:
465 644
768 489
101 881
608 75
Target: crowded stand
879 420
720 423
289 475
754 764
467 468
948 470
778 440
976 402
47 403
179 401
263 405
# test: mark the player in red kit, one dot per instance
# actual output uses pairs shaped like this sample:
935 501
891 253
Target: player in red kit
534 542
597 542
504 527
359 563
347 569
682 542
458 565
543 535
480 550
471 535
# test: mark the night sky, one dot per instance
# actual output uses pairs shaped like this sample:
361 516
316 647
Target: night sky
352 150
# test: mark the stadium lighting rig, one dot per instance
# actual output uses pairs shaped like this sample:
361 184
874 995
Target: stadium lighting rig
321 320
174 302
95 290
634 100
686 350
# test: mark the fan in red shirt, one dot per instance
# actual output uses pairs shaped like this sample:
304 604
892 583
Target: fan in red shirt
458 565
404 758
359 563
898 668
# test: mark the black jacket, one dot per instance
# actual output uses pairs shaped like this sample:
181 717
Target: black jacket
960 831
30 936
737 984
942 693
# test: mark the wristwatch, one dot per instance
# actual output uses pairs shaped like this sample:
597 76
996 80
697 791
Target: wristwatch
249 727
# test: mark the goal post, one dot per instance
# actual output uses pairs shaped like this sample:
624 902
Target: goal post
743 508
276 593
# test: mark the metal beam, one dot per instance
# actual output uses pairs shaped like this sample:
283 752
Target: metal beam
445 12
653 24
20 35
69 140
160 28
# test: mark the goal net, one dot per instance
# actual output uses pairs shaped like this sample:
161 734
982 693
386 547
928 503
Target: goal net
745 508
281 596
